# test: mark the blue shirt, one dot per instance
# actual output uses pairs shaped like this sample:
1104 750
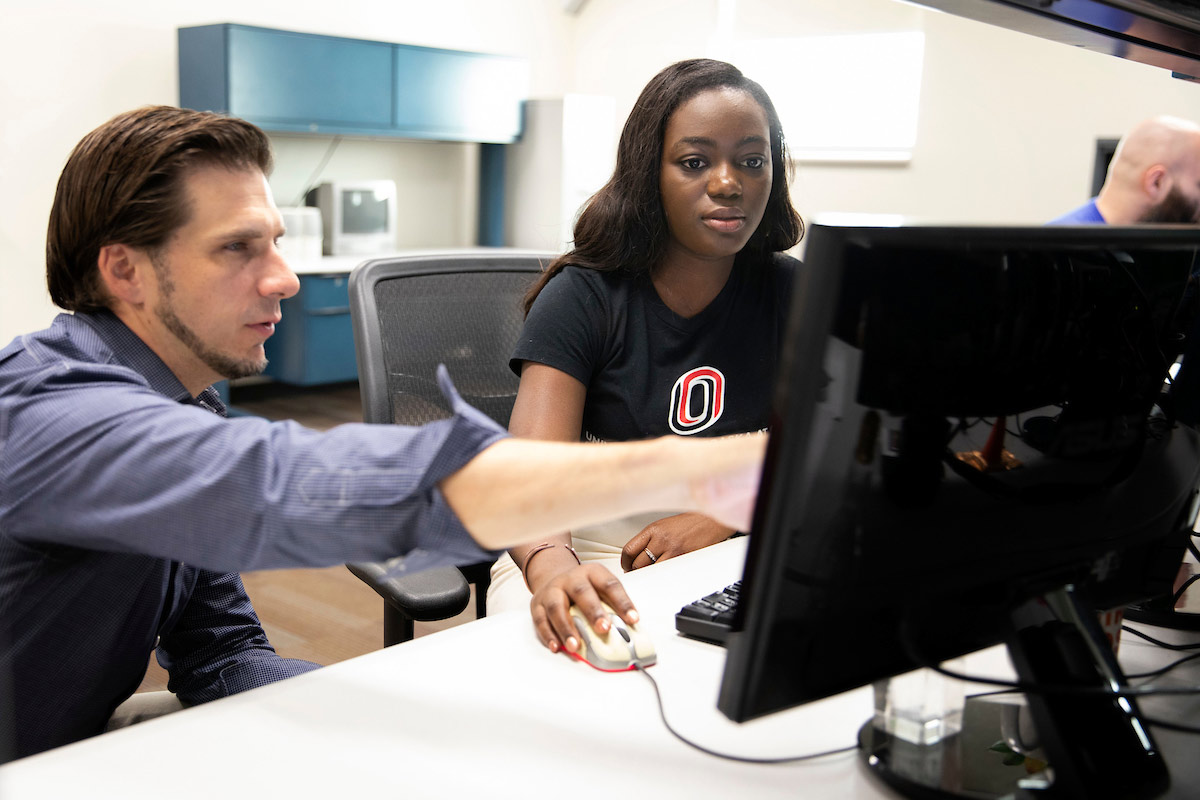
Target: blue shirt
126 504
1086 214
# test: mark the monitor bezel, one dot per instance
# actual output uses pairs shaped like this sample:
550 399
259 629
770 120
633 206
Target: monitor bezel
798 387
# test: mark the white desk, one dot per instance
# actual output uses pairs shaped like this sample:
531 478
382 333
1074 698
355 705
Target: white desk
485 707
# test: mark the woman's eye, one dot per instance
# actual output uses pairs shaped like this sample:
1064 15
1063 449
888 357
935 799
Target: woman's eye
693 163
756 162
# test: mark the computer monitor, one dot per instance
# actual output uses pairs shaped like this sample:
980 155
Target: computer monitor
966 420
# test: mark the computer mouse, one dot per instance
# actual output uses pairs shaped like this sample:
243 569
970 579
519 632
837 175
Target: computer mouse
623 648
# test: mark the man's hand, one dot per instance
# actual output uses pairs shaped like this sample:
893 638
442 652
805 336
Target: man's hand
670 537
518 491
729 497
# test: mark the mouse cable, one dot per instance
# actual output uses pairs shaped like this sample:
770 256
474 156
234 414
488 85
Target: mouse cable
745 760
1160 642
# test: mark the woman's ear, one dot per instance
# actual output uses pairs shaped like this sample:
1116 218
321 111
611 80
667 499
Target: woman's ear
122 273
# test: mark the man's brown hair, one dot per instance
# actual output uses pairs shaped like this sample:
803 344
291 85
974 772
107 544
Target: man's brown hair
124 184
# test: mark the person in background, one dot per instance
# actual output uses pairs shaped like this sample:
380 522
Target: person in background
129 501
666 317
1153 178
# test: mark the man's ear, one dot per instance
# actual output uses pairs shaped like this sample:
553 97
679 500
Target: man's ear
122 272
1156 183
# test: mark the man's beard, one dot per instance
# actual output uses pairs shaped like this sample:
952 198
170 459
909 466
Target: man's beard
219 363
1173 209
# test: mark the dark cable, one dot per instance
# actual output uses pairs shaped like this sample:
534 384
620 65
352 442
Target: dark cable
1159 642
1164 670
308 184
785 760
1035 688
1171 726
1137 287
1183 588
995 693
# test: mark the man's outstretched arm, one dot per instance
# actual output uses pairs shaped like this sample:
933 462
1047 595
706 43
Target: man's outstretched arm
518 490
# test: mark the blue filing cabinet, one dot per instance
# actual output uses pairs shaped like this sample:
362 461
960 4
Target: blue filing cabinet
451 94
315 341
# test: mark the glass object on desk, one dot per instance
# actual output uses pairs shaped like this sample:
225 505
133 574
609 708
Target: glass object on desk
922 706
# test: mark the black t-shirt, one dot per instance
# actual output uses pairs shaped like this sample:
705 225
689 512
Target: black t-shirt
650 372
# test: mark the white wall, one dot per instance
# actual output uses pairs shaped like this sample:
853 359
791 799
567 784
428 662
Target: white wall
68 65
1008 122
567 151
1007 127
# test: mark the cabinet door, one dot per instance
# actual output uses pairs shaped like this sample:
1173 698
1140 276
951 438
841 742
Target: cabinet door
314 343
297 81
444 94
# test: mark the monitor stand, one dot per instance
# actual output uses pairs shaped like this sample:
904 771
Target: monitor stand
1093 740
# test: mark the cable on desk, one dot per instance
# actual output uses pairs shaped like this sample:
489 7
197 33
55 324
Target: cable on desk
1170 726
784 760
1164 670
1036 688
1160 642
995 693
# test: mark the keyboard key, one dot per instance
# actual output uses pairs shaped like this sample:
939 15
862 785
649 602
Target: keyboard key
709 618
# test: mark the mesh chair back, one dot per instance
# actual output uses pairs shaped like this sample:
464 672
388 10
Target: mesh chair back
458 308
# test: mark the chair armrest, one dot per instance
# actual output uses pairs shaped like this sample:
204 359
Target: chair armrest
432 594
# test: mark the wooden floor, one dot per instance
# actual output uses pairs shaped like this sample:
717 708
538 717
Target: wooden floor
322 615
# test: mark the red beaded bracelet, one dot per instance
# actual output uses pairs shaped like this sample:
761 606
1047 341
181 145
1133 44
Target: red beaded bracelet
537 549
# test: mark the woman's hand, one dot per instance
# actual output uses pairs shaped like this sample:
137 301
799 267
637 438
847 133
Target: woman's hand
585 586
670 537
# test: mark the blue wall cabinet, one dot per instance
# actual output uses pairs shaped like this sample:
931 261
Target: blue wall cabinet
315 341
445 90
302 82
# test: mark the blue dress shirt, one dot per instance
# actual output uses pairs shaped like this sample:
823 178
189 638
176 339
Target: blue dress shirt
126 505
1086 214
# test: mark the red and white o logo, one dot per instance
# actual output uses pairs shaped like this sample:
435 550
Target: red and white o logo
697 400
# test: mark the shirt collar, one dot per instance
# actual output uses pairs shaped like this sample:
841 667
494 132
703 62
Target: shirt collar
129 349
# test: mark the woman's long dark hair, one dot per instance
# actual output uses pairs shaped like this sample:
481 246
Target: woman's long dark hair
623 226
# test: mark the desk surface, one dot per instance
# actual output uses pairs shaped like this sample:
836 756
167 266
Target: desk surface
486 708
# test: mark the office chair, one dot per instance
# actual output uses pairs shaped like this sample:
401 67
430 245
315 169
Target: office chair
460 308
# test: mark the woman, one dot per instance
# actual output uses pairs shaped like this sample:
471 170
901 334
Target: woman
666 317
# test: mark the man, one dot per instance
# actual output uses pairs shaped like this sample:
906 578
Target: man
127 501
1154 178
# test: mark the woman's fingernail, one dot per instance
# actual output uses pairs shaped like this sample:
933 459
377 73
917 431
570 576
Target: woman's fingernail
572 643
633 616
553 645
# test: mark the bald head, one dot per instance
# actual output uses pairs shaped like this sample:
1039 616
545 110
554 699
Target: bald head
1154 176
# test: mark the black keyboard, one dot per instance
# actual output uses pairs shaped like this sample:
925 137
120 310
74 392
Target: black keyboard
710 617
